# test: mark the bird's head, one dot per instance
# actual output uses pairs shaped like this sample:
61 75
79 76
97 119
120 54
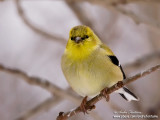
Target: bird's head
82 41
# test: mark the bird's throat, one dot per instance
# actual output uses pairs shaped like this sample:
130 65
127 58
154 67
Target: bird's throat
79 52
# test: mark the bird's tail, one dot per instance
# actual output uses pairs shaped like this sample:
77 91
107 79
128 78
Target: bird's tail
127 95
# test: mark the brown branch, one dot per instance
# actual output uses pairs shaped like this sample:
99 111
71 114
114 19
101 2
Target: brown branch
136 18
132 15
36 29
113 5
93 101
116 2
107 4
31 112
53 89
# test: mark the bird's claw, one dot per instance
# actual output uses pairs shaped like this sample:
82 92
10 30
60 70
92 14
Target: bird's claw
104 93
83 105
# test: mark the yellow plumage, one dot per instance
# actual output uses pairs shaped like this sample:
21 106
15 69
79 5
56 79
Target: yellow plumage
86 63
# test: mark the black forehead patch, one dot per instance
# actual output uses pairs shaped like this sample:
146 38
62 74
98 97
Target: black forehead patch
79 31
80 27
75 28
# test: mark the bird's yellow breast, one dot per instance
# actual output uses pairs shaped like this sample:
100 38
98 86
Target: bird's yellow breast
89 76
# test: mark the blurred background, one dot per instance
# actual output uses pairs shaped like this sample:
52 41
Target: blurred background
33 35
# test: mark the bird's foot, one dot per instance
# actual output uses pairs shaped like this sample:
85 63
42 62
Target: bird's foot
104 93
83 105
119 84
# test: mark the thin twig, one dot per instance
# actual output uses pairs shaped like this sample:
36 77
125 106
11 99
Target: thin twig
136 18
93 101
116 2
36 29
41 83
113 5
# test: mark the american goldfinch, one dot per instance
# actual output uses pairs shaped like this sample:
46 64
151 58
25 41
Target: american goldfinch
90 66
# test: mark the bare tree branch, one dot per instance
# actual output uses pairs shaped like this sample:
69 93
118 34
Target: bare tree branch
137 19
116 2
36 29
109 4
60 93
113 5
42 83
30 113
93 101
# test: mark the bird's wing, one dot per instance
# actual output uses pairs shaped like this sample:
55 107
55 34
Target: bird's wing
113 58
124 92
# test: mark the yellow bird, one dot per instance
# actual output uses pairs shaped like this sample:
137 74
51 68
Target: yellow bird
90 66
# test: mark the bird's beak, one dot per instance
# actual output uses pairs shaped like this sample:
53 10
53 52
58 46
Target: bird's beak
78 39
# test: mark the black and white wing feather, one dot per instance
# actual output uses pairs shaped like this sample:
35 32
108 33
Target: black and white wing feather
124 92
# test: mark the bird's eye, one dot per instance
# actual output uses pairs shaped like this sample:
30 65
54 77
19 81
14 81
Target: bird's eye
72 38
86 36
